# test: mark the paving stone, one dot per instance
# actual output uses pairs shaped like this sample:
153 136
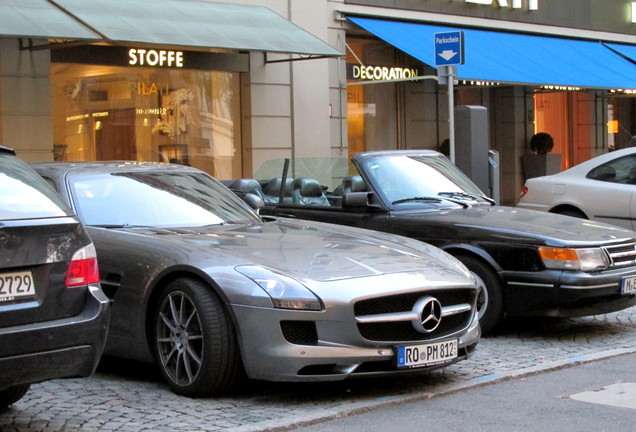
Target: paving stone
126 397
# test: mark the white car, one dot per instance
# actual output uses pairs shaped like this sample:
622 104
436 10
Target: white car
601 189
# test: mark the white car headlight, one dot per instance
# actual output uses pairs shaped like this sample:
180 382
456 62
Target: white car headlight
285 292
590 259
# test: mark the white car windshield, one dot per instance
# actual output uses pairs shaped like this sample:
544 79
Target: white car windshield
156 199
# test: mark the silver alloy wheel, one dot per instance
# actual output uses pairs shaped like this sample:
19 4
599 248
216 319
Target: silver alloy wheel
179 338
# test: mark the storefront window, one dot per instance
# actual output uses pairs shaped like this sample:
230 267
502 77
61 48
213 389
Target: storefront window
188 117
371 108
551 117
621 120
570 117
387 115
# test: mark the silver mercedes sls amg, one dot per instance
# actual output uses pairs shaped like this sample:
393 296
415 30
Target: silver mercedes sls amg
213 293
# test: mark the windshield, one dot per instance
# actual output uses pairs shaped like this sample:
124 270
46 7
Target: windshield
157 199
329 172
412 179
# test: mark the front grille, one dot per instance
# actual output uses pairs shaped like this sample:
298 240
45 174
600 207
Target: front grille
404 302
394 331
622 255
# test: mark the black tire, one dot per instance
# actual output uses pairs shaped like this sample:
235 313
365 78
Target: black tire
11 395
490 299
195 342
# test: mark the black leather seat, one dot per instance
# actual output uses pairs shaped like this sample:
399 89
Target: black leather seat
271 191
307 191
247 186
353 184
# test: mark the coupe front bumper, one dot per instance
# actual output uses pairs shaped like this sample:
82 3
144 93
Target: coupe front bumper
269 355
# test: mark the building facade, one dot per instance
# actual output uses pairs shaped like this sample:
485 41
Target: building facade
215 85
227 86
561 67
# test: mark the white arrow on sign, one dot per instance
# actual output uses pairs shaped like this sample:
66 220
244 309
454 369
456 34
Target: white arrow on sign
447 54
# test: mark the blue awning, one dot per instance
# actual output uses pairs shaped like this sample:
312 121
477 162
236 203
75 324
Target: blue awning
512 57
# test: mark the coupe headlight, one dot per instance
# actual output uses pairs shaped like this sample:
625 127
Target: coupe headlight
591 259
286 293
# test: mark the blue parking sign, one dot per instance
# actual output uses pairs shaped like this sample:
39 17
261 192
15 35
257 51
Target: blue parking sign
449 48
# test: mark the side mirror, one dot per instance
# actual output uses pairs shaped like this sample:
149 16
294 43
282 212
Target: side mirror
254 201
355 199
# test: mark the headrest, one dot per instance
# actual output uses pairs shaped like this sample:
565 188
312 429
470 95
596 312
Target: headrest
246 185
353 184
308 187
273 187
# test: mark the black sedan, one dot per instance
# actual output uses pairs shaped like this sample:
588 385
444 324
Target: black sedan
528 263
53 313
213 293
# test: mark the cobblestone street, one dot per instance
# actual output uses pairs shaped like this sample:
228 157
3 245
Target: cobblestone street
128 397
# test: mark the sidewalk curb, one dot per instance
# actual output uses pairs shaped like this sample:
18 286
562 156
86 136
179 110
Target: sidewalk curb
324 415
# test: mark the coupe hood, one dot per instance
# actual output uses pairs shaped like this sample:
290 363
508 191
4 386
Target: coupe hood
313 250
528 226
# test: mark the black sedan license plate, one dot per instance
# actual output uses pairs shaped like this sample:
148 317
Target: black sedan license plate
427 354
15 285
628 285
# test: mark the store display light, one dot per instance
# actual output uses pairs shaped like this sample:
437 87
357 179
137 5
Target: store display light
612 126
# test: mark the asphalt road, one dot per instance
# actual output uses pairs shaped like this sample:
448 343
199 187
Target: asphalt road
131 397
597 396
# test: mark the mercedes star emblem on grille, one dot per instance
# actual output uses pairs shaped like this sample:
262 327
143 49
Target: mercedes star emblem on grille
429 312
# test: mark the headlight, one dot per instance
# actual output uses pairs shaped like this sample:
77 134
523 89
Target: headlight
592 259
286 293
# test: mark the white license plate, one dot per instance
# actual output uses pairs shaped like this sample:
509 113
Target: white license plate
426 354
628 285
16 285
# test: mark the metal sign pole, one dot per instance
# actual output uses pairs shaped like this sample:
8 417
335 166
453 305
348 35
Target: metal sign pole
451 112
449 51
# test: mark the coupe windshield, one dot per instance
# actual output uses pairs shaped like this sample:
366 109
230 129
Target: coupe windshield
414 179
156 199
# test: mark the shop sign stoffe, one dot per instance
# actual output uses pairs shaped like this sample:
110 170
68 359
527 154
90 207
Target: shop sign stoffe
155 58
151 58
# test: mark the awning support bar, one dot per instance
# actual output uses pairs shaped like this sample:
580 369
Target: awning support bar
311 57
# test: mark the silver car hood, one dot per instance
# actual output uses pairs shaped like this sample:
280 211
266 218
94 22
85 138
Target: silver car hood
316 251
